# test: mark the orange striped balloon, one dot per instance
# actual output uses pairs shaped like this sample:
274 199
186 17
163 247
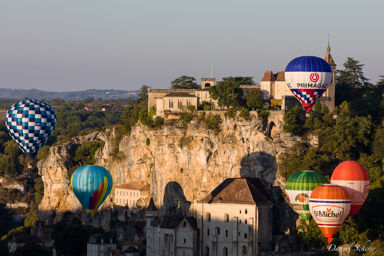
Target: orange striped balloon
329 205
354 178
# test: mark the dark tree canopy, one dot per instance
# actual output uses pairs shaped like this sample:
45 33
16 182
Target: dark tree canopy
240 80
254 100
228 93
184 82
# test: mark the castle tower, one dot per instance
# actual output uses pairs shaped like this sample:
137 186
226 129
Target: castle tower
150 213
328 98
207 82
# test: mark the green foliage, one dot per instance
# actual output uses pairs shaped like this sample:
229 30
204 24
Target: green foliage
313 237
254 100
205 105
231 113
147 142
348 232
239 80
181 170
159 121
244 113
85 155
228 93
349 136
43 153
6 222
144 117
186 117
213 122
152 113
264 114
11 162
191 108
184 82
293 120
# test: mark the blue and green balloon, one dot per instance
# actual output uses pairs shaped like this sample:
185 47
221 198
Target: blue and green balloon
91 185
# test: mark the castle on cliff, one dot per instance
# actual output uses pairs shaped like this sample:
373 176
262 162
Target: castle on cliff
272 86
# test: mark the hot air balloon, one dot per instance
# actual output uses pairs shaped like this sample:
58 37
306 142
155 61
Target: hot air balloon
91 185
298 189
354 178
30 123
330 205
308 77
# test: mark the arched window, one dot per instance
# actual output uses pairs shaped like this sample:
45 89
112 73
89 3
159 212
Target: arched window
245 211
245 221
207 85
225 251
206 251
226 217
208 216
245 235
244 250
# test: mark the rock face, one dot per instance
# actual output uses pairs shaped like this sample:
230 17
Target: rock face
182 163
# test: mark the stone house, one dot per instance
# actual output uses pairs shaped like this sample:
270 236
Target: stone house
128 194
171 235
99 246
235 219
20 240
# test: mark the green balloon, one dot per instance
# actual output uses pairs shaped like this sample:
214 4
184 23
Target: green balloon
298 189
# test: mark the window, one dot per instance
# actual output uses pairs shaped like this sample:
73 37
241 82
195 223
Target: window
179 103
225 251
240 221
245 235
226 217
208 232
244 250
217 231
226 233
185 223
245 221
208 216
206 251
185 240
240 211
246 211
171 103
188 102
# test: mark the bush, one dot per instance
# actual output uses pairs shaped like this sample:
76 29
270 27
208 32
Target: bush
159 121
147 142
213 122
191 108
264 114
187 117
293 121
244 113
231 113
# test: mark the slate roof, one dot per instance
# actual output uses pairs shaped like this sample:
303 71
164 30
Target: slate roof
151 207
239 191
171 222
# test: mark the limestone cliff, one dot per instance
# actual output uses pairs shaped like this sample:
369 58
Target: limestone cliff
182 163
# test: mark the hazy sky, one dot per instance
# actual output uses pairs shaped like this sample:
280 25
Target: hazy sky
64 45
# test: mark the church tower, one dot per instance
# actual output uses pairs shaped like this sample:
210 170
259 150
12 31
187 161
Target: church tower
207 82
328 98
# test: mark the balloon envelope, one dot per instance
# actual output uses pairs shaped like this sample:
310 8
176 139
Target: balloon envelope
298 189
330 205
354 179
308 77
30 123
91 185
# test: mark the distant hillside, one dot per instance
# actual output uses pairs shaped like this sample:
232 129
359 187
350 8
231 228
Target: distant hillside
6 93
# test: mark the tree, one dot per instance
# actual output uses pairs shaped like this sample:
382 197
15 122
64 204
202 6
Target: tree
228 93
254 100
70 240
239 80
143 96
349 81
184 82
293 121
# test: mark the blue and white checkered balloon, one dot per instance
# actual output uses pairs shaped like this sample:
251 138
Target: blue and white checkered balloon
30 123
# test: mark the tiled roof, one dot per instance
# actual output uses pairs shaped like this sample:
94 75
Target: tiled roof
280 76
134 185
239 191
179 94
268 76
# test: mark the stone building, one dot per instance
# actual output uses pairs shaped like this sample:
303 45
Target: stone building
273 87
235 219
171 235
99 246
174 100
128 194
